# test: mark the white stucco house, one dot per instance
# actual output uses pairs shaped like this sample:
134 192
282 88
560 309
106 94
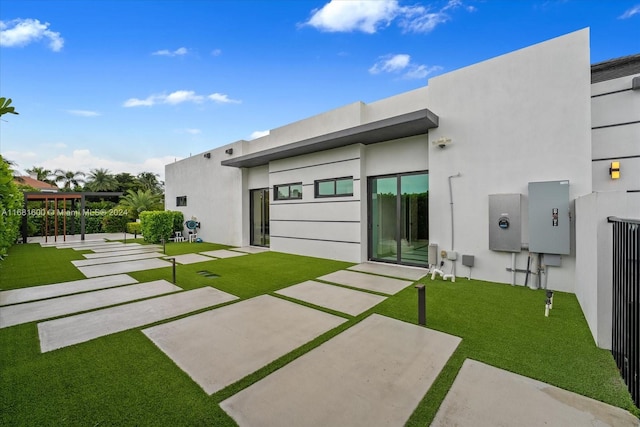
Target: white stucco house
490 163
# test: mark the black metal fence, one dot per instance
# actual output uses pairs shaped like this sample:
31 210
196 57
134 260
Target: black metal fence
625 344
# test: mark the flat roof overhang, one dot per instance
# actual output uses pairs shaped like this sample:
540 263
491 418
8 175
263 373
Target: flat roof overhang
402 126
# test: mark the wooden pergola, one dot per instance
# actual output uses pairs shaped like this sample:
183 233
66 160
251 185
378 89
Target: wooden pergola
55 198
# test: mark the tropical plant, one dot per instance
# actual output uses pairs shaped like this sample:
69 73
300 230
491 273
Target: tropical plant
10 207
5 108
101 180
126 182
140 201
149 181
69 178
42 174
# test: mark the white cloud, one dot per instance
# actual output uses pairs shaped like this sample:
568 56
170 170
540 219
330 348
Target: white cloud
369 16
221 98
166 52
84 113
635 10
390 64
21 32
178 97
402 63
192 131
216 52
258 134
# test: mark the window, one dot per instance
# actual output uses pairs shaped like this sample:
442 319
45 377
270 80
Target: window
288 191
336 187
181 201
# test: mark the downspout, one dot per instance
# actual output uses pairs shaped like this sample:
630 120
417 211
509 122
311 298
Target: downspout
452 228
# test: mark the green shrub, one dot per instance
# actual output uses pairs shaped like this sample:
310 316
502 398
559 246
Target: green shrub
10 208
114 222
178 220
156 225
134 228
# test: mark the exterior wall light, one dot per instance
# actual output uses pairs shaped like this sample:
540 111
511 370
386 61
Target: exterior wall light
229 151
207 155
614 170
441 142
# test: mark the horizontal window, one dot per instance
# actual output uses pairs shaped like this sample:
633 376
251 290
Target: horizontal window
288 191
336 187
181 201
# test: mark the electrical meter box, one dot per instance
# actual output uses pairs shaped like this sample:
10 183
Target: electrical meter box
505 224
549 217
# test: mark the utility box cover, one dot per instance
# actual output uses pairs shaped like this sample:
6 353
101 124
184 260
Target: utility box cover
549 217
505 224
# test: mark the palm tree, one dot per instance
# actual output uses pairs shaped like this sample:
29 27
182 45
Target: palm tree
41 173
140 201
101 180
68 178
149 181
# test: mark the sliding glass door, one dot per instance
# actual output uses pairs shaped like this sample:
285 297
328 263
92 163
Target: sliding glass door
259 208
399 218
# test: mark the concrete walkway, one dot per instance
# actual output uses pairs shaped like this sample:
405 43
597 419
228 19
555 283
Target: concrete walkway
45 309
113 259
76 329
368 282
373 374
125 251
222 253
190 258
222 346
15 296
391 270
483 395
123 267
332 297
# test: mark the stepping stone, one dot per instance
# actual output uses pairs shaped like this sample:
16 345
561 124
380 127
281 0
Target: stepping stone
123 267
33 293
399 271
140 250
190 258
112 259
45 309
250 249
67 331
90 245
122 247
368 282
221 346
483 395
373 374
222 253
332 297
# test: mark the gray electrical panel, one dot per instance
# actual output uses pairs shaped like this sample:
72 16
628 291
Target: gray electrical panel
549 217
505 225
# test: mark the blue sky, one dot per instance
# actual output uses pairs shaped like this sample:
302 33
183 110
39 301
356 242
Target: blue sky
132 85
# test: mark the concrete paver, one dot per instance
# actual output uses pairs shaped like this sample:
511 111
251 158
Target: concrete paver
222 253
251 249
392 270
34 293
45 309
124 246
140 250
190 258
373 374
332 297
123 267
76 329
483 395
221 346
369 282
112 259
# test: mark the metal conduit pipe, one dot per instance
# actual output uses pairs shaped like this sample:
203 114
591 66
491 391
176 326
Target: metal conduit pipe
452 229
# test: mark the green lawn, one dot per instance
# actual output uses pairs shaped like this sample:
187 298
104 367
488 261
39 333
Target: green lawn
124 379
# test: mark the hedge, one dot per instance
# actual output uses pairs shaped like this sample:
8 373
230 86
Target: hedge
157 225
134 228
10 208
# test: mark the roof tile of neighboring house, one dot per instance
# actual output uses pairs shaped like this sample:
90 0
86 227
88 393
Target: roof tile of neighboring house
42 186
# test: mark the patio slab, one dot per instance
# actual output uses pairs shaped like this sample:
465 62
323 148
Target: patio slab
333 297
222 253
190 258
251 249
112 259
125 246
123 267
15 296
140 250
373 374
365 281
84 327
221 346
391 270
483 395
45 309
